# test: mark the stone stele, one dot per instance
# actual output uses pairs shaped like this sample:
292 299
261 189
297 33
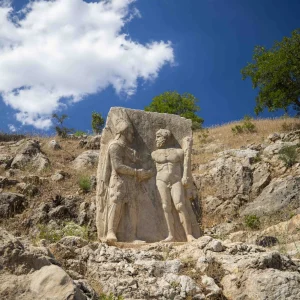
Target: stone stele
138 184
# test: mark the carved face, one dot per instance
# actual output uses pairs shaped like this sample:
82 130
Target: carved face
129 134
160 140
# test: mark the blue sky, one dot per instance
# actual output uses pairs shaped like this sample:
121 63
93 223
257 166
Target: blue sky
211 41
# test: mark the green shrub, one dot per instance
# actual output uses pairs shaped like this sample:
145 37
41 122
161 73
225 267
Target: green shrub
237 129
50 234
73 229
246 127
84 183
289 155
111 296
252 222
79 133
53 235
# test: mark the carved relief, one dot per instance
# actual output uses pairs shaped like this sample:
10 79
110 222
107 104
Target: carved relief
129 205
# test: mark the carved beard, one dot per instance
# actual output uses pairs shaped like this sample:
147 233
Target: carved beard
160 142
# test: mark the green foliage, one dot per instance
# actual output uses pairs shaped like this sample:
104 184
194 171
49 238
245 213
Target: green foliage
73 229
276 73
288 155
246 127
53 235
84 183
50 234
79 133
60 129
111 296
252 222
173 103
98 122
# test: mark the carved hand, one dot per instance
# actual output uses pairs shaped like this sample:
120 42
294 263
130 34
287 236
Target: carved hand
144 174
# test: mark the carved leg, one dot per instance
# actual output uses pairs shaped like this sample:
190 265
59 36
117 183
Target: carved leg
177 193
133 218
114 217
165 195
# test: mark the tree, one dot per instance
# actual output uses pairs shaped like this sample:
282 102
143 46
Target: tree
173 103
276 73
60 129
98 122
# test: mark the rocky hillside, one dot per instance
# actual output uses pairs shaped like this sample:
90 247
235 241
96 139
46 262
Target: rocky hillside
249 193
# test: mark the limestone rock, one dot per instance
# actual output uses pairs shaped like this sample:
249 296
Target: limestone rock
86 160
11 204
30 154
93 143
54 145
281 193
52 282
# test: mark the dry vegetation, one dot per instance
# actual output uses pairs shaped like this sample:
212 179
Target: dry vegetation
222 137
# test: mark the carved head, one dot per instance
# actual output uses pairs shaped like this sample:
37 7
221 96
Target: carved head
124 128
162 136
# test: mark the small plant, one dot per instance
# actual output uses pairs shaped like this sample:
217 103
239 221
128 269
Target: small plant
252 222
174 284
60 129
84 183
97 122
79 133
246 127
111 296
73 229
289 155
257 159
50 234
237 129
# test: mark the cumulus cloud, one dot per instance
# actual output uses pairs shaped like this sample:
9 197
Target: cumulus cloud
53 53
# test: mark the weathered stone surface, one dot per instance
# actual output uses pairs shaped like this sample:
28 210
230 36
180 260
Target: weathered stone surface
127 194
11 204
29 154
29 273
54 145
93 143
52 282
86 160
281 193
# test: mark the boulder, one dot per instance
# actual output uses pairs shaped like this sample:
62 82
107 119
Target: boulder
280 194
54 145
11 204
29 154
93 143
86 160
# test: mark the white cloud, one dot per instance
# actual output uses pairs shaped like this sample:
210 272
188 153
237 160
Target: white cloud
53 51
12 128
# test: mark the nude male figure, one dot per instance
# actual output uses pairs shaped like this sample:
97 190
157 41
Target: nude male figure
170 180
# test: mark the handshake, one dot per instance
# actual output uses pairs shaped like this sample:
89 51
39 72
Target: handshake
142 174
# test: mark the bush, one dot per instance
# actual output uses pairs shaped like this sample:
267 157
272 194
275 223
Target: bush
289 155
53 235
50 234
79 133
246 127
252 222
84 183
73 229
111 296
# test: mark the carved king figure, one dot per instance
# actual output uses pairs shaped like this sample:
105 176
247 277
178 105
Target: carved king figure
172 175
119 183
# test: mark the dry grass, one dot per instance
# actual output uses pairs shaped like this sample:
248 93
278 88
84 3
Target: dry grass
225 139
